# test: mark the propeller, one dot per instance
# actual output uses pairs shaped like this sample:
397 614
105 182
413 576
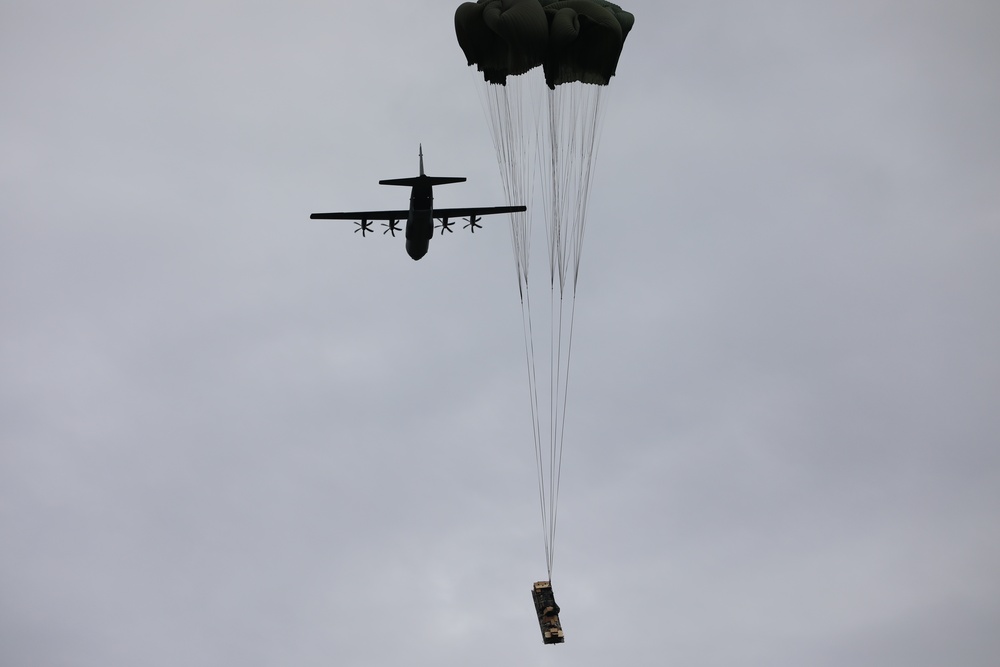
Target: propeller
446 226
364 227
473 223
391 227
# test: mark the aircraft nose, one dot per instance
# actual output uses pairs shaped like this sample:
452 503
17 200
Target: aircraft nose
415 249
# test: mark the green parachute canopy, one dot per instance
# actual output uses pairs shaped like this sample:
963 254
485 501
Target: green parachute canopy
573 40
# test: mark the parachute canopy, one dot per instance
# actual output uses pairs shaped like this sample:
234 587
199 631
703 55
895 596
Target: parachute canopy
573 40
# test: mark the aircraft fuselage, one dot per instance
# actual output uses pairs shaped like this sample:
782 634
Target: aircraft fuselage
420 222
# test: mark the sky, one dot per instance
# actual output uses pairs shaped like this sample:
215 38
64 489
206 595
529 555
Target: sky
231 435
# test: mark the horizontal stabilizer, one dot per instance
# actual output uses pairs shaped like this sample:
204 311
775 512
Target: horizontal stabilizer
423 180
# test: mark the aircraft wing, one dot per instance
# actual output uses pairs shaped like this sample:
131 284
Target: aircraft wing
363 215
468 212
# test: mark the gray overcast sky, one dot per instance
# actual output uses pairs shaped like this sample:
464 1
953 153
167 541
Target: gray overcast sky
230 435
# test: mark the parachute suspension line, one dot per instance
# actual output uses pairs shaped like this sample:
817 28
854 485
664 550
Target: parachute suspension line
589 126
563 140
574 115
589 144
505 116
502 106
512 114
536 429
559 417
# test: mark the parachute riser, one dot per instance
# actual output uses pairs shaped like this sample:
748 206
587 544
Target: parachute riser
556 130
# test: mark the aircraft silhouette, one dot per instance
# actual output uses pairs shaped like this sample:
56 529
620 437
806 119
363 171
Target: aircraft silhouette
421 214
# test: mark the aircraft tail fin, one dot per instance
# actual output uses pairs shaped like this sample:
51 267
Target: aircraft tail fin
423 179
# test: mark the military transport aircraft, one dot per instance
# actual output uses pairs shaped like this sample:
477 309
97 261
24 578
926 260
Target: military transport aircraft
421 215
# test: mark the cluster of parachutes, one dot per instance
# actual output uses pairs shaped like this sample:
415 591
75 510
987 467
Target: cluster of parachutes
553 125
573 40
